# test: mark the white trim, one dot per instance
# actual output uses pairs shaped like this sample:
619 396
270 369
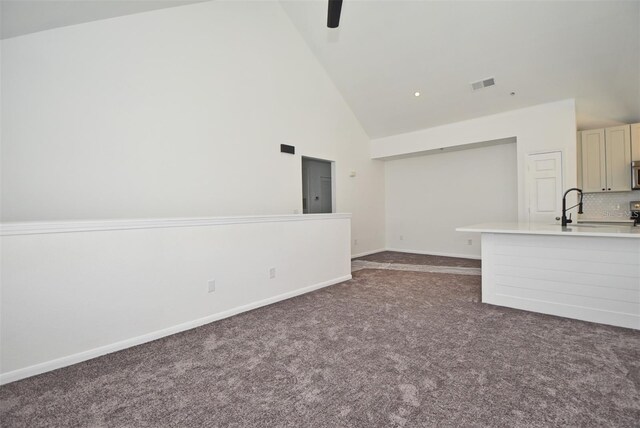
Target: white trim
366 253
134 341
435 253
32 228
600 316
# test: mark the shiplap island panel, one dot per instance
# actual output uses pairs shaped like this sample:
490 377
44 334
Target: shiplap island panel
581 272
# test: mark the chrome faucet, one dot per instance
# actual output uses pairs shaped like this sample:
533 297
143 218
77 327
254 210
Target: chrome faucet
566 220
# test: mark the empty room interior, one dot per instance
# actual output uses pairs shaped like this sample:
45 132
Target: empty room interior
319 213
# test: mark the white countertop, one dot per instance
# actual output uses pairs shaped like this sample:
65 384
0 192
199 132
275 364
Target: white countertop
555 229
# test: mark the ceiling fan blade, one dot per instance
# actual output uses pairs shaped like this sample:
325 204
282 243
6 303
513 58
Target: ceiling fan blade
333 16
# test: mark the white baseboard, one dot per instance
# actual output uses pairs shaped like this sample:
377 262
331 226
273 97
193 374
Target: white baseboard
134 341
434 253
366 253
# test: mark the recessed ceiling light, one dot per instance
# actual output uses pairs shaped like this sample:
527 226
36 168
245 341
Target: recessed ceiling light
416 94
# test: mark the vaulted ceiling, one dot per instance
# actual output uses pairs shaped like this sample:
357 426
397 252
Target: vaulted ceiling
544 51
385 51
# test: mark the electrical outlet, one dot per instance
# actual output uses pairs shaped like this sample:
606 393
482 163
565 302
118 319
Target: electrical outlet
212 285
272 273
469 241
401 238
355 242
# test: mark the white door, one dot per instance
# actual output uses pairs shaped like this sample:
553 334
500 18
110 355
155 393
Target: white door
544 186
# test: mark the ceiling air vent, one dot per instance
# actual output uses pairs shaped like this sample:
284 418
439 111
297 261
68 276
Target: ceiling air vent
485 83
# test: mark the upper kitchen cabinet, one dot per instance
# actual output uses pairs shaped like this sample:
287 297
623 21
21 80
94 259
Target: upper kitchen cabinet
635 142
618 154
605 156
593 160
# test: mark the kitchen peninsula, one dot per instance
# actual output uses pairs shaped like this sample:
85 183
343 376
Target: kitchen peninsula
586 272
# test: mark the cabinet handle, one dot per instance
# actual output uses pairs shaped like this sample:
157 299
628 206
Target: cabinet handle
609 188
603 189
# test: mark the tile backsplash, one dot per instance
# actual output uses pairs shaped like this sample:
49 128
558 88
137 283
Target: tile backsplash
608 205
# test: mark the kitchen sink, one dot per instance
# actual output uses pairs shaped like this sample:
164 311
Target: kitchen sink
587 225
604 223
596 225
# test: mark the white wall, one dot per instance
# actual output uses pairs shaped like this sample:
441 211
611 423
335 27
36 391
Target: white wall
73 291
546 127
427 197
177 113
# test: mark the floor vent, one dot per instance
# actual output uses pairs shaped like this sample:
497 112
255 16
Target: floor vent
485 83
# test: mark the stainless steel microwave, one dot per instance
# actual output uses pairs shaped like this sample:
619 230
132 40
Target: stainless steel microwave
635 173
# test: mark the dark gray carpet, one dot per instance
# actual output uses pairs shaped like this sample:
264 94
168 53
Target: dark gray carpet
419 259
389 348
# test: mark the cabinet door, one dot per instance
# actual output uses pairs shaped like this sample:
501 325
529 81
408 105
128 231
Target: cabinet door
593 161
635 142
618 155
579 153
